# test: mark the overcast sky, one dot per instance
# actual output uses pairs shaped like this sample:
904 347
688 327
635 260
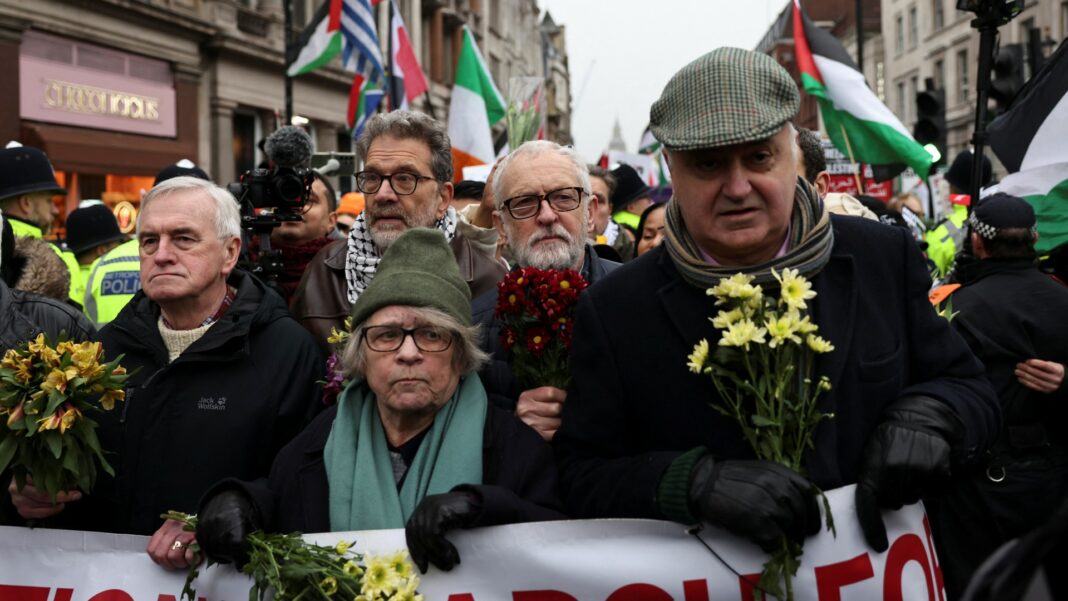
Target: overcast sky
622 53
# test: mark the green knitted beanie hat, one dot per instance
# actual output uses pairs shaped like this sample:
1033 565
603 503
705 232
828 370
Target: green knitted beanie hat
418 270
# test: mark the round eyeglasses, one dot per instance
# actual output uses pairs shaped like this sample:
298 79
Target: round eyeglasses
402 183
560 200
429 339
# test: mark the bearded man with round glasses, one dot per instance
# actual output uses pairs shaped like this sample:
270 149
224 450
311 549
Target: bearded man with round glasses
542 198
407 183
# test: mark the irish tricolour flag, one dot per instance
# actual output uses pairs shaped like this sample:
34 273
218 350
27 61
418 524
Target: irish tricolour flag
1031 140
858 123
475 106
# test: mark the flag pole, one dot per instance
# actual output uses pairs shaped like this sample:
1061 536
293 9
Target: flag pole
393 104
856 168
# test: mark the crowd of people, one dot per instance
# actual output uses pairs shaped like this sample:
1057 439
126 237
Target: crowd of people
223 416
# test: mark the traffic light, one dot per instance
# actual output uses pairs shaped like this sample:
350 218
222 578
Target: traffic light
1008 75
930 126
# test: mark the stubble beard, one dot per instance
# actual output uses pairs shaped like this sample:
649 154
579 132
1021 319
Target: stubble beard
384 235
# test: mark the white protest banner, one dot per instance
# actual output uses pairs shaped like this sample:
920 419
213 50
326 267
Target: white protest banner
591 560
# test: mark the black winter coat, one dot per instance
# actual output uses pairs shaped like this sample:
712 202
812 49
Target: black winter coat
24 315
633 406
518 474
223 408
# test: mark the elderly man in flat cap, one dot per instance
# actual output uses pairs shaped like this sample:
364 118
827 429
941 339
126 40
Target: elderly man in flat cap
1015 318
639 437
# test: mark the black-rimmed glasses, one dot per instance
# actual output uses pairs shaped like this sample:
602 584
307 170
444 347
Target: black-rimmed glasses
560 200
403 183
429 339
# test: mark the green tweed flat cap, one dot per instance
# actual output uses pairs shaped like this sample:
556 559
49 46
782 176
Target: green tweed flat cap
728 96
418 270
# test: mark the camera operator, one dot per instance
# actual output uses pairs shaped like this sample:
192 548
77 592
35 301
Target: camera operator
298 241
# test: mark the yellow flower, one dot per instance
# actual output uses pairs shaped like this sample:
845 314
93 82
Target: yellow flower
742 334
698 356
783 328
50 356
55 380
69 416
402 568
329 586
107 400
724 319
378 578
824 384
342 547
16 414
336 336
805 326
818 344
11 359
118 371
407 591
795 288
84 359
739 286
38 345
24 370
50 422
352 568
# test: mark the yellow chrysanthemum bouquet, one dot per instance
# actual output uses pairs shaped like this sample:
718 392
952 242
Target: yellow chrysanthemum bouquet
284 567
762 370
47 393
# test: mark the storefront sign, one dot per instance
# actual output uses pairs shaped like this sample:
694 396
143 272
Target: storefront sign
60 93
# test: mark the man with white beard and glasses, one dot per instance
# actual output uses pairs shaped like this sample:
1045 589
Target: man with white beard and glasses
541 192
407 183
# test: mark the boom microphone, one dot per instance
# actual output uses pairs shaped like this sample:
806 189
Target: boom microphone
289 146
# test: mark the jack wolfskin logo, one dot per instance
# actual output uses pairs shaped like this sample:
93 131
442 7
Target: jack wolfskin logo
212 404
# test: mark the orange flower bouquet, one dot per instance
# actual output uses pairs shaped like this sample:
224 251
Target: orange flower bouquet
47 393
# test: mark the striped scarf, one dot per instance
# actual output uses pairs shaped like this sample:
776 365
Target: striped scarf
808 249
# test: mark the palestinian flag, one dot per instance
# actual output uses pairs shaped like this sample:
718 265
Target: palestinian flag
475 106
1029 139
320 41
858 123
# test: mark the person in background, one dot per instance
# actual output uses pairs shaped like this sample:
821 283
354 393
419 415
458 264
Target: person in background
1015 319
812 165
947 239
604 231
115 278
542 195
467 193
407 182
650 229
299 241
412 442
348 210
92 231
27 185
630 198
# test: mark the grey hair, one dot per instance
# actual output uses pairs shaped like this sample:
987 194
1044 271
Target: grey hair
411 125
467 358
533 149
227 215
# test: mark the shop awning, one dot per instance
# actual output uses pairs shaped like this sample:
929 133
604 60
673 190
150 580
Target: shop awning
101 152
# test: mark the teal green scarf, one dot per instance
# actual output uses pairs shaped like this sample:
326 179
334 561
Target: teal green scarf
363 494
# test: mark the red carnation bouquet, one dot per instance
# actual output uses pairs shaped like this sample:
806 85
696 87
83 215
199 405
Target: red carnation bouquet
537 307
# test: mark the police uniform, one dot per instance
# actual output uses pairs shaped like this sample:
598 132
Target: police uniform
113 280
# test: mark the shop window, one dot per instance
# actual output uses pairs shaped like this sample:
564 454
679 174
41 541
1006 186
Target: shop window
344 144
244 142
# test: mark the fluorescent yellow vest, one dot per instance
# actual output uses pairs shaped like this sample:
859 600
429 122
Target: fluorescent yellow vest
28 230
113 280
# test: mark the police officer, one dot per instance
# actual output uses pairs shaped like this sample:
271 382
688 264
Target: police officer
27 185
115 277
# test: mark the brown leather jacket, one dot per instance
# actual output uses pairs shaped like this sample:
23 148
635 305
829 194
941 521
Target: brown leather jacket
321 301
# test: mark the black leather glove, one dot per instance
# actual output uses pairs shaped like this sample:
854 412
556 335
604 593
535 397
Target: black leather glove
759 500
436 515
224 522
906 457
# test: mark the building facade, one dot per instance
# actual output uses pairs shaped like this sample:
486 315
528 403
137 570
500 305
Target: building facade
115 90
932 39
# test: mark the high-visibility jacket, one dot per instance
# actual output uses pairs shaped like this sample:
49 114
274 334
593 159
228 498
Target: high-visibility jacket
628 219
944 241
29 230
113 280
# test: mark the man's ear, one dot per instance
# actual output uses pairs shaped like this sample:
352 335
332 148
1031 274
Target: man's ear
232 248
822 183
445 198
498 223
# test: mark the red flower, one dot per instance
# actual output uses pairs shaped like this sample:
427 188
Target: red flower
537 338
508 338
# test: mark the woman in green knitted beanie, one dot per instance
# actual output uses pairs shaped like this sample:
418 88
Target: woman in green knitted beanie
412 442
